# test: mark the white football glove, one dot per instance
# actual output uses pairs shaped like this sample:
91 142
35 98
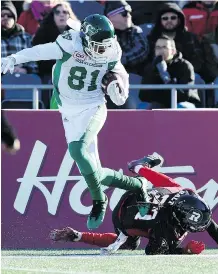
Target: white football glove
117 93
112 248
7 64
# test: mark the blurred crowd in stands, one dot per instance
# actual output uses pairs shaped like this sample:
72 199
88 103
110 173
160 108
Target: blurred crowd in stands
163 42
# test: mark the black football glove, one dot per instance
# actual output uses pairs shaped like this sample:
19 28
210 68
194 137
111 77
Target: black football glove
107 79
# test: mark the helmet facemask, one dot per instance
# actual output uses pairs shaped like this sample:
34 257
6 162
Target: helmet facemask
99 51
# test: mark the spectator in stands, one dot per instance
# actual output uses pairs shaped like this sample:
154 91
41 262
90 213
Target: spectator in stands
53 25
19 6
210 47
201 17
168 67
171 21
142 11
182 3
14 38
130 37
33 14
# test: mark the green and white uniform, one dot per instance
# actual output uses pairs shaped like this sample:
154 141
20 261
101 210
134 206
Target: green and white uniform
77 80
77 88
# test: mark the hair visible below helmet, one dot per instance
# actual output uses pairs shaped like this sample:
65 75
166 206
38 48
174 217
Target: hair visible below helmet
192 213
98 36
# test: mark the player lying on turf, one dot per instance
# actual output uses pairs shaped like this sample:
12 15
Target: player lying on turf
172 212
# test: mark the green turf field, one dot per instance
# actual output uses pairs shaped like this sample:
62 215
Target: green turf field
89 261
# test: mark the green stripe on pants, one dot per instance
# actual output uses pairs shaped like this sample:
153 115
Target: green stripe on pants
79 151
113 178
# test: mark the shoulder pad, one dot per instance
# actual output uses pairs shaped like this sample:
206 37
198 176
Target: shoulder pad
66 35
66 40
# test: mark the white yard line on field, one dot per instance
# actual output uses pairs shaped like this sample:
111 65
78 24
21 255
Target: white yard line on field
73 256
40 270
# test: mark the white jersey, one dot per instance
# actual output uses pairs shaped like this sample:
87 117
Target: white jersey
77 78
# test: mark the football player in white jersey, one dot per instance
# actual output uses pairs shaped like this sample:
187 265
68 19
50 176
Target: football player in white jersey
83 58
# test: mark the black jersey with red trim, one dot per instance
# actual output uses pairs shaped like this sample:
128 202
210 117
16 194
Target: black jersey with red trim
161 201
158 225
164 233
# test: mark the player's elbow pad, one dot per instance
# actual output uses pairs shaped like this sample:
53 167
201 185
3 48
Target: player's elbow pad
117 93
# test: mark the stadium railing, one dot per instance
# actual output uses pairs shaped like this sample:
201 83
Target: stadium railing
173 89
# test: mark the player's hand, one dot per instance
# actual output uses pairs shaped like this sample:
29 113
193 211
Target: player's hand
13 149
7 64
112 85
194 247
107 79
117 93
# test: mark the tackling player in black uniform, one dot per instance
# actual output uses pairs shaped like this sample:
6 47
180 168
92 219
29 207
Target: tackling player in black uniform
172 212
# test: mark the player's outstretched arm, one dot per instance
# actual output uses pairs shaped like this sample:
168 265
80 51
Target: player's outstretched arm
49 51
98 239
69 234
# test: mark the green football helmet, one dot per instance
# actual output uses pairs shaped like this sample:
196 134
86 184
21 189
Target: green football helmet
98 36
